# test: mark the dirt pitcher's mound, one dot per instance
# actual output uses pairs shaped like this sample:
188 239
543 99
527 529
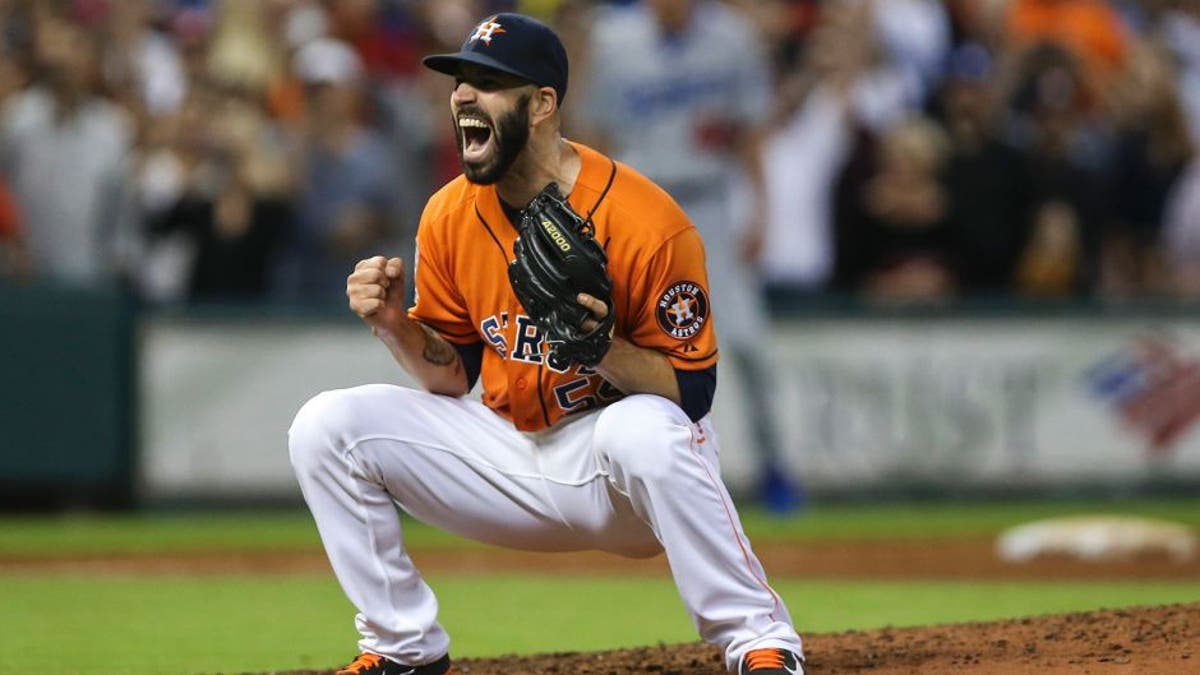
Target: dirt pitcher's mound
1138 640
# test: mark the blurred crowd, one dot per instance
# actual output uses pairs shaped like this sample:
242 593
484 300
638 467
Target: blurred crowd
906 150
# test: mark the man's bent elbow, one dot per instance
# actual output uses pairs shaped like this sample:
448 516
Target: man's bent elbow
455 387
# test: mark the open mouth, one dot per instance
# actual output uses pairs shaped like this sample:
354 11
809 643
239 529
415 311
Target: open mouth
476 136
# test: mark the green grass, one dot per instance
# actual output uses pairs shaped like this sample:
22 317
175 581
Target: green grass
274 530
74 534
178 625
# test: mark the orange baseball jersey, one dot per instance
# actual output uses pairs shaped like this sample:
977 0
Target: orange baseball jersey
655 259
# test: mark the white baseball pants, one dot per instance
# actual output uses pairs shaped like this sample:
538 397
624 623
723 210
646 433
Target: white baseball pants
635 478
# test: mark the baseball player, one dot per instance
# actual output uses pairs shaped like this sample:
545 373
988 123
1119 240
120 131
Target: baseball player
619 457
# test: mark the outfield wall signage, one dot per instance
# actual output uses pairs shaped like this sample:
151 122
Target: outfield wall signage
998 402
862 403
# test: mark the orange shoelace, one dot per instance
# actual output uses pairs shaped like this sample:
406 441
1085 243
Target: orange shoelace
364 661
764 658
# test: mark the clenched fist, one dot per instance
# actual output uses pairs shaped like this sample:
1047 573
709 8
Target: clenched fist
376 291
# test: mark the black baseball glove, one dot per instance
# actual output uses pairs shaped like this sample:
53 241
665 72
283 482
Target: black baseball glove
557 258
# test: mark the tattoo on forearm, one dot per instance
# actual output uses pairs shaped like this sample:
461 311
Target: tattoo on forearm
438 352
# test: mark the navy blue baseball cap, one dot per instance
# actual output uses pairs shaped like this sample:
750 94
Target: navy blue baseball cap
515 44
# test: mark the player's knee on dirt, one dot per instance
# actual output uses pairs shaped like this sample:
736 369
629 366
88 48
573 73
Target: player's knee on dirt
641 437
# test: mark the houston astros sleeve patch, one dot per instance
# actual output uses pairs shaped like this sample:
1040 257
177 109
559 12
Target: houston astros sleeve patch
682 310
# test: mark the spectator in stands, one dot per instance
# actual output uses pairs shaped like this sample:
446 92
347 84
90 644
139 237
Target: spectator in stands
1060 258
235 208
985 177
841 87
1154 147
345 204
170 156
894 239
64 150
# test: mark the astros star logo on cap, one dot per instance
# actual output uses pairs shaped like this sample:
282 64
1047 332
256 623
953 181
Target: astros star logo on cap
485 30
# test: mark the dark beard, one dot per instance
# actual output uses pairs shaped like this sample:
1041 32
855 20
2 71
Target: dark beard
510 137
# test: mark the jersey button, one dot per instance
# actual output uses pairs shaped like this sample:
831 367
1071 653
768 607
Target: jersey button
521 384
